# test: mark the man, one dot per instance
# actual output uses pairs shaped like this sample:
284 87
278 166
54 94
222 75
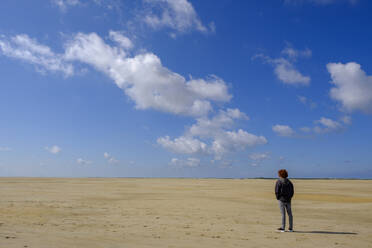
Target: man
284 192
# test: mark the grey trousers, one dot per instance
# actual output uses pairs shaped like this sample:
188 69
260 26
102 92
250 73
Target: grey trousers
283 207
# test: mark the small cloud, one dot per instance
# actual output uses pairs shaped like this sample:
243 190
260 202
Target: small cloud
53 149
327 125
63 4
189 162
282 159
302 99
258 158
293 54
177 15
284 66
307 102
285 71
283 130
82 161
5 149
226 164
110 158
346 120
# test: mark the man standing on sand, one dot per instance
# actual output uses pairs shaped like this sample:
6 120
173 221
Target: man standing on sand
284 192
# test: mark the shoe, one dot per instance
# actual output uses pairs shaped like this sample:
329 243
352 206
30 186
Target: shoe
280 229
290 230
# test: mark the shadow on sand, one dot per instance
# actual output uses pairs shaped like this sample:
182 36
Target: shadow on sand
326 232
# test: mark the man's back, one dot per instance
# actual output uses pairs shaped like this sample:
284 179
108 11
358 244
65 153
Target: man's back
284 190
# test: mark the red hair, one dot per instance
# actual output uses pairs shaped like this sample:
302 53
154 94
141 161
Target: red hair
283 173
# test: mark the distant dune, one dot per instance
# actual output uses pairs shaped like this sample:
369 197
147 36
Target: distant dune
139 212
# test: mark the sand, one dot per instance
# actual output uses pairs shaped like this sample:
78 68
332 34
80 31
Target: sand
110 213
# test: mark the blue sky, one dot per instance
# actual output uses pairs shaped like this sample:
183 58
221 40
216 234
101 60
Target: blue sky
181 88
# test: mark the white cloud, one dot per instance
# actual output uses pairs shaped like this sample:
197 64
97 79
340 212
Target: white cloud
113 160
53 149
284 68
110 158
327 125
302 99
5 149
178 15
145 80
352 87
152 86
216 89
258 158
231 141
288 74
121 39
83 161
206 127
283 130
211 136
183 145
293 53
189 162
63 4
29 50
307 102
142 77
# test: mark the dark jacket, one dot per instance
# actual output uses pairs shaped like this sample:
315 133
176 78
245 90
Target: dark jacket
284 190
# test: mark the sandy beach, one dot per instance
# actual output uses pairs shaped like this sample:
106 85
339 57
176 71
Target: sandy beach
110 213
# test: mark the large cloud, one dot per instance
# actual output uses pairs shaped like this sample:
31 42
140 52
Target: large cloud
353 87
145 80
213 136
150 85
142 77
